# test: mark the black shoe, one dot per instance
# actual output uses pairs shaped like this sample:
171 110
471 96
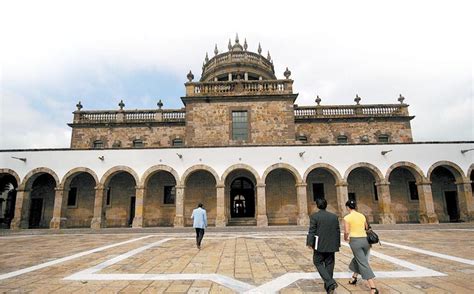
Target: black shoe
375 290
353 281
332 288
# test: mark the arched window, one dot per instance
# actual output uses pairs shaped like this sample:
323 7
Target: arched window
98 144
138 143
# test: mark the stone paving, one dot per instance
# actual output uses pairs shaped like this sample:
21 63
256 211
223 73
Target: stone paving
437 259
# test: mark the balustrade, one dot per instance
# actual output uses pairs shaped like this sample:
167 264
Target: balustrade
334 111
240 87
130 116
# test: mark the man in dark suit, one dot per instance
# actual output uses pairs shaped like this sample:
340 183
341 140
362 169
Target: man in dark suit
325 225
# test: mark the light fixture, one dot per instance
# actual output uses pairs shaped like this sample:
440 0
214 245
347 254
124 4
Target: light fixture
20 158
102 157
466 150
301 153
179 155
385 152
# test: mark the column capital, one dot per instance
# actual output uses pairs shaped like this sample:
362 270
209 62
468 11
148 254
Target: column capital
220 186
22 190
260 185
423 183
59 189
180 186
139 187
341 184
464 182
301 185
382 183
99 187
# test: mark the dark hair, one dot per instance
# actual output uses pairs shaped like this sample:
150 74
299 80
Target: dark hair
321 203
351 204
200 205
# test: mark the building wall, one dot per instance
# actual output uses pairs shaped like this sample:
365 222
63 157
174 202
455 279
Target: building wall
361 182
156 213
81 214
442 181
322 176
210 124
200 188
407 210
154 136
327 132
43 187
281 202
122 187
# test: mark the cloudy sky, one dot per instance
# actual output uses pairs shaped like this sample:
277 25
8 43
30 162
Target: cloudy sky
55 53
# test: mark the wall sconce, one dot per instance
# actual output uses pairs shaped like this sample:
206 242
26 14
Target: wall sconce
301 153
20 158
102 157
385 152
179 155
466 150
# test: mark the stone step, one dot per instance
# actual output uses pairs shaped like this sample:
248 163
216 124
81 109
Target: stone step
242 221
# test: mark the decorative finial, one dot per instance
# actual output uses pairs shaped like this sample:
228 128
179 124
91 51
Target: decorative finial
245 44
287 73
268 56
215 50
121 105
160 104
236 38
79 106
190 76
357 99
207 58
401 98
318 100
259 49
230 45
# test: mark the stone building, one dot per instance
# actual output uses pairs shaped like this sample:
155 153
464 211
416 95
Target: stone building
242 147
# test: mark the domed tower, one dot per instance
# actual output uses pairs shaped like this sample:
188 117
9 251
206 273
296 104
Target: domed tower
239 100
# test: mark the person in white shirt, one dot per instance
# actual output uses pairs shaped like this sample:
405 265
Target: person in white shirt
199 217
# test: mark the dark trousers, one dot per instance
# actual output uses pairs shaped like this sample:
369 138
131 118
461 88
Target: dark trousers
324 262
199 236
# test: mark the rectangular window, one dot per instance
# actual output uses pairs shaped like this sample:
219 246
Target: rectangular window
352 196
240 125
108 200
318 191
342 139
413 190
376 194
72 197
383 138
169 195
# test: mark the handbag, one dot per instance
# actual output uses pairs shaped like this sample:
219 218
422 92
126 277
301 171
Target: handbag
372 237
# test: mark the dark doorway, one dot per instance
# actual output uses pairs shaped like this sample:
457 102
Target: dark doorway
452 205
242 198
132 210
36 211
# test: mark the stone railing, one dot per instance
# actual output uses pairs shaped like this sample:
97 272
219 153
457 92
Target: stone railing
339 111
129 116
236 56
240 87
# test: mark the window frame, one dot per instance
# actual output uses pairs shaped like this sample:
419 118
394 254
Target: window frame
232 124
69 196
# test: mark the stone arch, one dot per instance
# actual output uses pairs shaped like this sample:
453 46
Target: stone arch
470 171
327 167
451 166
370 167
286 166
32 175
11 173
198 167
413 168
116 169
70 175
245 167
156 168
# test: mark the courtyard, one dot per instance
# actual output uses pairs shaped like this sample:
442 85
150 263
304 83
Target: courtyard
412 259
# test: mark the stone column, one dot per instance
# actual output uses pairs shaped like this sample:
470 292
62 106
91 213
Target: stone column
427 211
139 207
262 219
99 221
60 207
466 205
385 210
303 219
342 196
179 216
22 210
221 218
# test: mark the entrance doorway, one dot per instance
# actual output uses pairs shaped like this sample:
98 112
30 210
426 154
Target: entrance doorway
36 212
242 198
132 210
452 205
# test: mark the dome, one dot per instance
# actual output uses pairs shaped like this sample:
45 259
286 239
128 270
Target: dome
237 64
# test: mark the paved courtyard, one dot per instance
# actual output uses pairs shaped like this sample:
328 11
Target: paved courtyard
412 259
